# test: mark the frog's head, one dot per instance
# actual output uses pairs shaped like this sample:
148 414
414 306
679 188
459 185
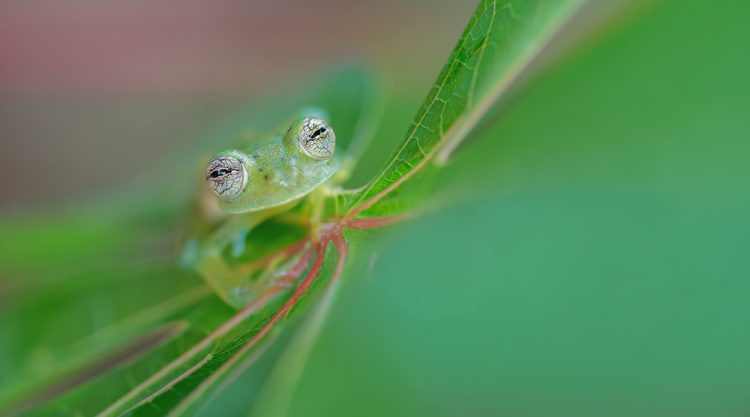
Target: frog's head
270 171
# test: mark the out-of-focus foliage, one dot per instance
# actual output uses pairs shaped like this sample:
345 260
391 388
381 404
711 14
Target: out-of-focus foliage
585 256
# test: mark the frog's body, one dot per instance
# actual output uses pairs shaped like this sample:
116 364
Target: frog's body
253 183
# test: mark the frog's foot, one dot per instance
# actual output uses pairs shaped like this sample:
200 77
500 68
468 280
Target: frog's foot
238 244
236 285
329 233
224 279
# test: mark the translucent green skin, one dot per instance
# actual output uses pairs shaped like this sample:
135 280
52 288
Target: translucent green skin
278 172
296 193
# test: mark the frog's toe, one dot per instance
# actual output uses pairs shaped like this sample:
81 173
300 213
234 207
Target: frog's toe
238 244
189 255
241 295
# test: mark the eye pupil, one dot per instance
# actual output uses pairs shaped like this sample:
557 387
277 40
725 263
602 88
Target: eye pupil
219 173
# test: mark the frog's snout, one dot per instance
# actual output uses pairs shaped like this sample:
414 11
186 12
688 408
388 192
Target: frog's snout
226 176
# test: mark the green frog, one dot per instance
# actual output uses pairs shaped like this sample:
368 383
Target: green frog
267 176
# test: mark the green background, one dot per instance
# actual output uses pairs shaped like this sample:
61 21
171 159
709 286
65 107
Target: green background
583 255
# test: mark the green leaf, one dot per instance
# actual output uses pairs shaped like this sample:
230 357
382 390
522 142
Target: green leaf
500 42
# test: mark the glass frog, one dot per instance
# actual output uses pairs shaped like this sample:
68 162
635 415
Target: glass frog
252 183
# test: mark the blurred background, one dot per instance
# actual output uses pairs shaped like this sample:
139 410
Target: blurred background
587 255
91 92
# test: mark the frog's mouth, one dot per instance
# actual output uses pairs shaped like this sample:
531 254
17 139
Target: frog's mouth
226 176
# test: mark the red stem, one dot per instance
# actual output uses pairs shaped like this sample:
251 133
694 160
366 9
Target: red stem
311 275
264 261
371 223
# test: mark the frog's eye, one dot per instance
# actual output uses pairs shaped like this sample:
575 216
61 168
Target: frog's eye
316 138
226 176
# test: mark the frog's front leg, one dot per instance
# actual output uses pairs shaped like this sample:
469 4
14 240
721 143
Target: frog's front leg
208 259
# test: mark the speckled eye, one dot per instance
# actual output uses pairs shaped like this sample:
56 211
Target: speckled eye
316 138
226 176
